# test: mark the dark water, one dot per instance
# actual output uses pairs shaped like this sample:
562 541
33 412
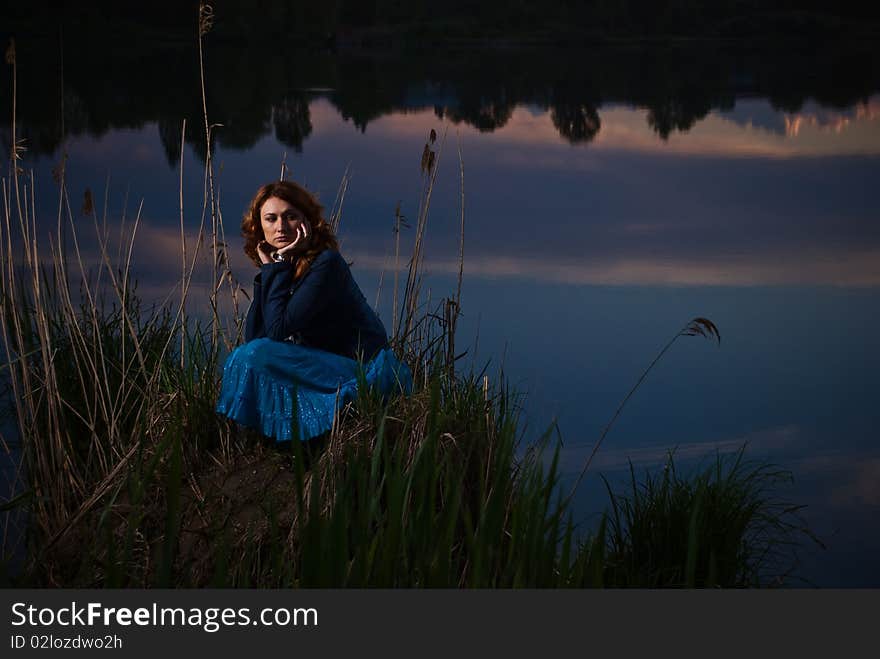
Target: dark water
611 195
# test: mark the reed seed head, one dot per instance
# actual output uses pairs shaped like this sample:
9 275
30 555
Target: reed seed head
88 206
702 327
206 18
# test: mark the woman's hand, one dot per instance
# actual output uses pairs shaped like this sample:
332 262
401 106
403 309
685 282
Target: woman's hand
299 243
264 251
268 254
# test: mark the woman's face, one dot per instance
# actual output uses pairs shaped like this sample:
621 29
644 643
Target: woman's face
280 220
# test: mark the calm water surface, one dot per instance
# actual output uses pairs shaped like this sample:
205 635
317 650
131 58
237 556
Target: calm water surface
607 203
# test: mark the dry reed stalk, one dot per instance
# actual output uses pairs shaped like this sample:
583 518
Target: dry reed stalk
696 327
234 287
104 232
205 23
103 240
461 235
381 281
452 308
27 397
182 246
120 288
123 224
75 333
336 210
430 167
18 372
103 487
91 352
17 146
47 353
399 222
145 396
219 254
221 271
8 291
111 404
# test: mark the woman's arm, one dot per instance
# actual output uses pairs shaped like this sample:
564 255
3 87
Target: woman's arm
289 307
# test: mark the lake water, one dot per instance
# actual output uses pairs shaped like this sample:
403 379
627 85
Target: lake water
611 195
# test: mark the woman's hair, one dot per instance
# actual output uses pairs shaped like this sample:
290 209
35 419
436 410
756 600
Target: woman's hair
304 201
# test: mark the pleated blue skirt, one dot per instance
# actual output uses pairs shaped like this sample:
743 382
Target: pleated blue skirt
289 391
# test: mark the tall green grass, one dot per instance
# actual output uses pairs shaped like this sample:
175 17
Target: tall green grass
722 525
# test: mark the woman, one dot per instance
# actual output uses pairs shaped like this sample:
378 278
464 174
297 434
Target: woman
309 330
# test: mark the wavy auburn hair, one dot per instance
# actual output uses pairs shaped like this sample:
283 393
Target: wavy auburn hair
304 201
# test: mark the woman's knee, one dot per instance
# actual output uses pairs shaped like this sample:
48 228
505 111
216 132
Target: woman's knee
255 353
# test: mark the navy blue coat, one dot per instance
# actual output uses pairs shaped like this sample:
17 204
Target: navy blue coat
324 309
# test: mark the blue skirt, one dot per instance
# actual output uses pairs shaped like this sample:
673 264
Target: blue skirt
286 390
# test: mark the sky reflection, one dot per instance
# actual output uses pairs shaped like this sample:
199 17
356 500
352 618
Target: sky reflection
752 128
595 214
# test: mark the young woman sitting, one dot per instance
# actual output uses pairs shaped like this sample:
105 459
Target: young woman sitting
311 337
